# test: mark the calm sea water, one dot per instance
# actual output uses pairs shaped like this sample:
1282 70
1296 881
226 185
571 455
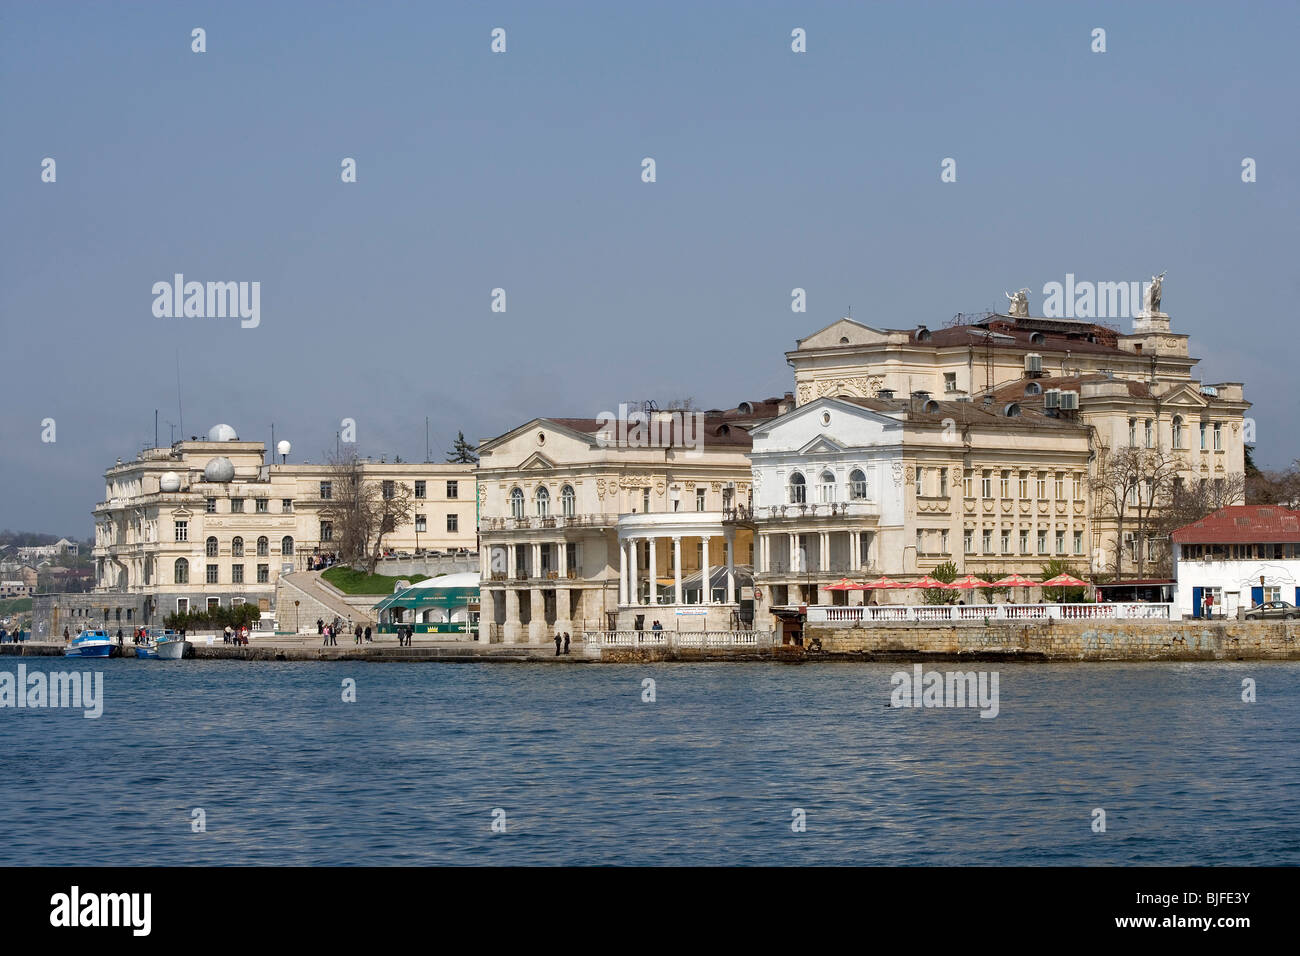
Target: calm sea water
707 774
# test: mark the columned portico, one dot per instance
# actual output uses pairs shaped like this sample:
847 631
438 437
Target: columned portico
677 569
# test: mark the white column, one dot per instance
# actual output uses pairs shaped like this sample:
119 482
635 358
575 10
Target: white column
622 572
794 553
731 566
536 570
677 569
633 597
706 592
823 550
562 559
510 561
853 550
654 571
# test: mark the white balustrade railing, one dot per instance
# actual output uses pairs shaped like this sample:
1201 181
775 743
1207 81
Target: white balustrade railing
737 639
941 613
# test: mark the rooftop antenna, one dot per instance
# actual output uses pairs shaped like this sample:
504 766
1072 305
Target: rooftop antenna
426 438
180 411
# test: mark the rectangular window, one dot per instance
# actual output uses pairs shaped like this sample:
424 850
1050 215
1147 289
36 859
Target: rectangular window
212 574
967 482
327 531
950 381
920 541
214 603
645 500
1078 542
327 489
1204 436
1060 542
1042 485
968 541
699 499
263 574
1024 485
986 483
236 574
419 489
943 483
1042 542
212 506
1218 436
420 524
1060 486
263 506
236 506
1132 432
286 506
1004 485
987 540
920 482
453 489
1078 486
943 541
571 557
182 605
182 531
453 523
1024 542
1006 541
1147 434
389 490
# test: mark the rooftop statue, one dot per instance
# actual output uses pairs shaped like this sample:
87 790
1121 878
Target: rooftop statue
1019 303
1152 304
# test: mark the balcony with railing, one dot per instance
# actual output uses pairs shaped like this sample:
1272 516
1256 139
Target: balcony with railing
823 511
981 613
547 522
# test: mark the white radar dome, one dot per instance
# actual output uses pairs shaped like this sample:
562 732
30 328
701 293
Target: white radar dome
222 433
219 469
170 481
283 448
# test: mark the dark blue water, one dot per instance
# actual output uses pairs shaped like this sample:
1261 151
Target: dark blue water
708 774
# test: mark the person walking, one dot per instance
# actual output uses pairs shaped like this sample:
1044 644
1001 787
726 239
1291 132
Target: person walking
369 639
357 634
557 643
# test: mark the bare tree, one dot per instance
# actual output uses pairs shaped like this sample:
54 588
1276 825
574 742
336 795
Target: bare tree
363 511
1133 485
391 508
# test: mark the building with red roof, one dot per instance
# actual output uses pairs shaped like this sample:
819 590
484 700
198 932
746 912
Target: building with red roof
1237 558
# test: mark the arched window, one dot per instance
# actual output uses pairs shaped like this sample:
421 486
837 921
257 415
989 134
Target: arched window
516 503
1178 431
857 484
182 575
263 547
286 545
212 547
827 489
568 501
798 489
543 502
237 547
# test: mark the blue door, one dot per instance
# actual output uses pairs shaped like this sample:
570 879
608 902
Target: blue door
1198 595
1256 596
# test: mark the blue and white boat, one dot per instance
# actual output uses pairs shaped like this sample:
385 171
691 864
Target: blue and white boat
93 642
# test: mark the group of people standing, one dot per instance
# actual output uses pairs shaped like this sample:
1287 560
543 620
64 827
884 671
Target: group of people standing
7 636
231 636
565 638
330 632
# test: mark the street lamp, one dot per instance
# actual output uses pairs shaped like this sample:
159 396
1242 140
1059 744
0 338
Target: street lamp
295 616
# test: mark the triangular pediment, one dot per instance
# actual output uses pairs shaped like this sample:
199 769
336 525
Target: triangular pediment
537 462
845 331
822 444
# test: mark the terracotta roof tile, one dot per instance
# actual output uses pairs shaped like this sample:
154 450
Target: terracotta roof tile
1243 524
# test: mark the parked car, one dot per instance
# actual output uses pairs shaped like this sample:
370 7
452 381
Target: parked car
1274 611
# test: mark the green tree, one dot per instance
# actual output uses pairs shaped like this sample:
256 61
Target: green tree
462 451
947 573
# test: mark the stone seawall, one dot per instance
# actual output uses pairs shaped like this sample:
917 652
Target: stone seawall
1060 641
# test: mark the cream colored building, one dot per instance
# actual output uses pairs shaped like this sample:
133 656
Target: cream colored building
214 522
582 532
1131 389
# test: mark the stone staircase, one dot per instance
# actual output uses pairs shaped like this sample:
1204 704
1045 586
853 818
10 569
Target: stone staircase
315 600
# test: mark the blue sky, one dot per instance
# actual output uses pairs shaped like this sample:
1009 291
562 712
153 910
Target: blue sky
522 171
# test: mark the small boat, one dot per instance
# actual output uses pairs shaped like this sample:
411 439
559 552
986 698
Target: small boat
93 642
161 644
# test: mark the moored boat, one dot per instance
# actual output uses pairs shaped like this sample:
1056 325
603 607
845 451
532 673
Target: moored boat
92 642
161 644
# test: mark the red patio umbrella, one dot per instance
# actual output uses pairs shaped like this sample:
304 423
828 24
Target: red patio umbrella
844 584
968 583
881 582
1064 581
1015 581
926 582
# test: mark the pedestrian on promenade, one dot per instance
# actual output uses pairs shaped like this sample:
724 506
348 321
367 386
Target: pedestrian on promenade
121 642
369 640
566 642
557 643
66 635
357 632
320 626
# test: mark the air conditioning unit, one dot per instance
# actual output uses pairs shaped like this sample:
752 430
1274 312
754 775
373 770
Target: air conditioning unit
1033 364
1052 398
1069 401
